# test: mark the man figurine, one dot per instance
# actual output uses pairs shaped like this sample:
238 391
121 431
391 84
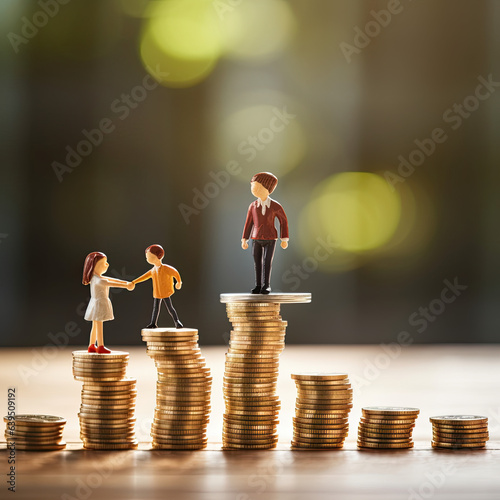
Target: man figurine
260 227
163 284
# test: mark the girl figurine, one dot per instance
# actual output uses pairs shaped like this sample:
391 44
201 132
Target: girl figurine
99 308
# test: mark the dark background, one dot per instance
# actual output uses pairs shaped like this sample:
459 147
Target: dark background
230 66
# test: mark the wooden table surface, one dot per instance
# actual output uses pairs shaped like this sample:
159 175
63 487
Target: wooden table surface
439 380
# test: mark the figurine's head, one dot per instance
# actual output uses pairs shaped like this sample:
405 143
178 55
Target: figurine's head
95 263
263 184
154 254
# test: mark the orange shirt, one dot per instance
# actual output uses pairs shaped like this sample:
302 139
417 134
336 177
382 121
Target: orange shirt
163 280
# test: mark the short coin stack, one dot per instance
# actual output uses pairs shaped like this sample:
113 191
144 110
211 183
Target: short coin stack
107 412
387 427
35 432
322 408
459 431
251 372
183 389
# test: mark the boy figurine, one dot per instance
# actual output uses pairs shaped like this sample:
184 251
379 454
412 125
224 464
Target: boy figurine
260 227
163 284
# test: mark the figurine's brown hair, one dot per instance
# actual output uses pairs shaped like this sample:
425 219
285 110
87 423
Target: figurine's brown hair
267 179
89 266
156 250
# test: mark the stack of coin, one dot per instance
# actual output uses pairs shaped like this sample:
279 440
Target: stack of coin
388 427
459 431
251 372
35 432
106 415
323 403
107 411
183 389
90 366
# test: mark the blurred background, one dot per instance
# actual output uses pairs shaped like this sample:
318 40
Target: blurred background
131 122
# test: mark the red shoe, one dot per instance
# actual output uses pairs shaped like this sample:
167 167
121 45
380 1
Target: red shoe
102 350
92 348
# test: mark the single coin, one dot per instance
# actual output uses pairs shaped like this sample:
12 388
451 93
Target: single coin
319 376
457 446
389 427
41 447
390 411
322 385
316 433
319 427
157 446
110 446
92 355
388 422
310 419
36 420
384 435
455 429
311 446
459 420
305 440
388 446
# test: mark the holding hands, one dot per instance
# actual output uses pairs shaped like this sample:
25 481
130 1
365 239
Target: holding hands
130 286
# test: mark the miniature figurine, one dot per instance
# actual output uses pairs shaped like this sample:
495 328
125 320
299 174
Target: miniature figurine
163 284
99 308
260 227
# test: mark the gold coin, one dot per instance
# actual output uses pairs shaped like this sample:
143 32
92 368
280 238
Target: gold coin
460 429
41 447
304 446
320 427
237 357
251 419
383 435
443 439
234 439
327 433
387 422
457 446
113 355
321 394
249 427
344 408
380 427
32 440
15 433
319 376
111 446
390 411
322 385
36 420
157 446
388 446
310 419
320 413
459 420
367 439
309 440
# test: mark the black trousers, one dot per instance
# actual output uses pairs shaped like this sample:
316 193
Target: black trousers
156 310
263 254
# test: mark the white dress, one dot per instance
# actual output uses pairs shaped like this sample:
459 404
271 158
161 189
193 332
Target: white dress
99 308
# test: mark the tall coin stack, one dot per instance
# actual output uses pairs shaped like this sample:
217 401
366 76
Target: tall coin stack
107 412
324 401
251 373
459 431
387 427
35 432
183 389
